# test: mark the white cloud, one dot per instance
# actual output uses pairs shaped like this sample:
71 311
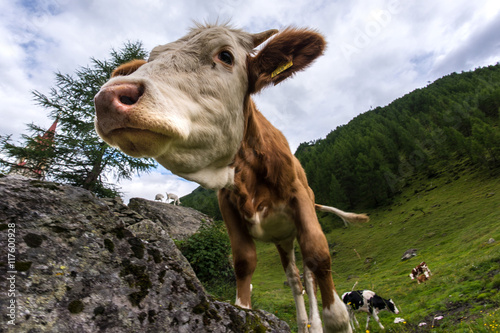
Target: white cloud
377 51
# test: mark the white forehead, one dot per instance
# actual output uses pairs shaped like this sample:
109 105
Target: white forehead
206 39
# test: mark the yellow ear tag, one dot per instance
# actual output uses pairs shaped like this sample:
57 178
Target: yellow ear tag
281 69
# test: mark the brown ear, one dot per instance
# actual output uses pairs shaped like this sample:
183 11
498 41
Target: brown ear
290 51
128 68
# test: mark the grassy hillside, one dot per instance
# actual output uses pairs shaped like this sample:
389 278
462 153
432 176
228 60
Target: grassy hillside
203 200
450 220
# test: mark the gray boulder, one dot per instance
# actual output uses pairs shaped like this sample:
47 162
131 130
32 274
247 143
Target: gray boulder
82 264
409 254
180 222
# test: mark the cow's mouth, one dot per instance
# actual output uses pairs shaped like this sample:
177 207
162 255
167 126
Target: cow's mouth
139 142
132 131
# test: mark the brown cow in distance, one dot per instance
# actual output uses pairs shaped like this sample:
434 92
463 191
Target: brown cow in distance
190 107
421 270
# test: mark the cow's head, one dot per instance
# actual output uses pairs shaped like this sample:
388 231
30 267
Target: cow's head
391 306
185 105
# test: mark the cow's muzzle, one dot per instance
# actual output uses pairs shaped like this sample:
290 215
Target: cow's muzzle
114 103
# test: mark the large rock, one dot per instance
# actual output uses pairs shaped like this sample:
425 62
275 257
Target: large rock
409 254
82 264
180 222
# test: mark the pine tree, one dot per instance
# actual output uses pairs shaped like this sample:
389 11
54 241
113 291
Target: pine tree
77 155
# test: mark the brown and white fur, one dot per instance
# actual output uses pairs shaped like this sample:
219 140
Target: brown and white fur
419 270
422 278
190 108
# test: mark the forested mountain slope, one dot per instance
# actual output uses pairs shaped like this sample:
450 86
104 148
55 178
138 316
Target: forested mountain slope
203 200
365 163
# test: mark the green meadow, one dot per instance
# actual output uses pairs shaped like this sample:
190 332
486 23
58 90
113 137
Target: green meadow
449 219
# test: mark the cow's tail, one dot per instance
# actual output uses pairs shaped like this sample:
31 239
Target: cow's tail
345 216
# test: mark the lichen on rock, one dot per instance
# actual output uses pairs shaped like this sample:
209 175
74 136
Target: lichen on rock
86 264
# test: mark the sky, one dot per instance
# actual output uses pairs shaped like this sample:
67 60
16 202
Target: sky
377 51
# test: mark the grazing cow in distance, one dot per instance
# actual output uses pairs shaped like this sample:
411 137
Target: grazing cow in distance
369 302
159 197
190 107
174 197
422 278
422 268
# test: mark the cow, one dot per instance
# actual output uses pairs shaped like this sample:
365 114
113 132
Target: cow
159 197
189 106
174 197
369 302
422 278
422 268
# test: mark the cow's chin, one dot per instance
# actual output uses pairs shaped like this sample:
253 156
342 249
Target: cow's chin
139 142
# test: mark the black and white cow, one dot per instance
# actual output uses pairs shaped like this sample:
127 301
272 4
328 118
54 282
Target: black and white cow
369 302
422 268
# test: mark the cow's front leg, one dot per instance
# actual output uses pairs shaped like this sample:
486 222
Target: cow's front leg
352 323
245 261
314 317
287 257
367 321
352 318
316 256
375 316
243 249
355 320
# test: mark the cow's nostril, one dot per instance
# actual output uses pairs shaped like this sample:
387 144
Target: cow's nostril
129 94
127 100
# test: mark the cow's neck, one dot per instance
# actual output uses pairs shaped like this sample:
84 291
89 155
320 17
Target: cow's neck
264 165
211 178
265 150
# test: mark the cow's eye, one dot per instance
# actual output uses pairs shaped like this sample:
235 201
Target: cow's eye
226 57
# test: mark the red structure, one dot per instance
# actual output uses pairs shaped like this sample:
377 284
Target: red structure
35 169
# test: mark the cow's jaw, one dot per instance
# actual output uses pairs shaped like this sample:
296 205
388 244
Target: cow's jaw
139 142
